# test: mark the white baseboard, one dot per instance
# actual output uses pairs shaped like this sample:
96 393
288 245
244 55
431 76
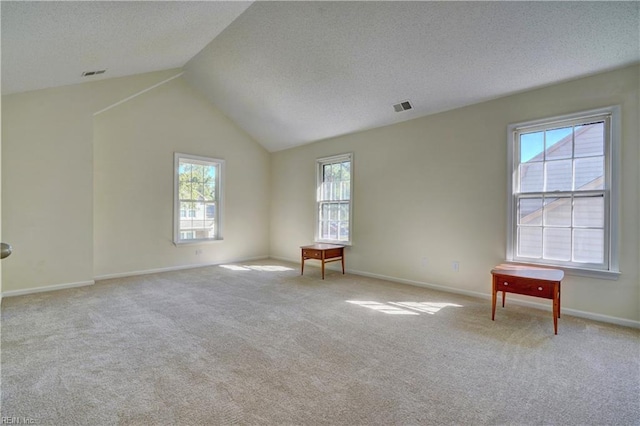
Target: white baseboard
174 268
43 289
574 312
118 275
515 299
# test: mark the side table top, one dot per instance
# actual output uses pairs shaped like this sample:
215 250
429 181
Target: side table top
321 246
532 272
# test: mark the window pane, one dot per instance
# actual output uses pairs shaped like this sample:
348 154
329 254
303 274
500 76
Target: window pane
589 140
337 190
327 173
588 245
344 212
344 231
324 230
198 224
346 190
559 175
333 212
210 231
557 243
209 192
588 212
186 224
184 172
336 170
530 211
187 235
531 178
186 190
197 174
589 173
530 242
210 211
531 146
200 191
210 175
557 211
346 171
333 229
559 143
324 211
186 207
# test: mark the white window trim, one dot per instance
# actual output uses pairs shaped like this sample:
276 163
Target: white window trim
219 199
612 171
319 163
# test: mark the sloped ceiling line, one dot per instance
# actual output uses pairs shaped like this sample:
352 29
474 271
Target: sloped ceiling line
290 73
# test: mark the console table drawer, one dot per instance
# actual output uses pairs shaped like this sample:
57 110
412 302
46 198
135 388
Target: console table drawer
530 281
525 286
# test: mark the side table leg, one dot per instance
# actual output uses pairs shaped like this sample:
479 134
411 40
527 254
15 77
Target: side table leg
302 265
493 301
342 258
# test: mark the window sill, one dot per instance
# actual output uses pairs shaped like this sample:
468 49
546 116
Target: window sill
338 243
579 272
190 242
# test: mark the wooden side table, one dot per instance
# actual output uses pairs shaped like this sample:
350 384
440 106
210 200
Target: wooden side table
530 281
323 252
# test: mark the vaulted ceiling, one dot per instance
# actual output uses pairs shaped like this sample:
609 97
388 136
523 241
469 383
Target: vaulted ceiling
291 73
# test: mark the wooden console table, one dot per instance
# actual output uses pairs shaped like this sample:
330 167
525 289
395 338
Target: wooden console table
323 252
530 281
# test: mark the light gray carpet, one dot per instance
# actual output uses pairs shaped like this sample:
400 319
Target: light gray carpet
215 346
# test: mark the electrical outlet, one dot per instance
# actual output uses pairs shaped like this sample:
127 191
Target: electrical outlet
455 265
198 252
424 262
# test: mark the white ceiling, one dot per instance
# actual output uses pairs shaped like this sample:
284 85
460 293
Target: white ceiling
291 73
49 44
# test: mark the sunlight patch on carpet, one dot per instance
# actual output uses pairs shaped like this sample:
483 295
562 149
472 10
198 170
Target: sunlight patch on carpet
404 308
262 268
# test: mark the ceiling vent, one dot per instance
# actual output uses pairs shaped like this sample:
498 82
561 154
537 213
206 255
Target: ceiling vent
90 73
402 106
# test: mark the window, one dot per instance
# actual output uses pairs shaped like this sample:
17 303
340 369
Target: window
334 206
563 198
197 199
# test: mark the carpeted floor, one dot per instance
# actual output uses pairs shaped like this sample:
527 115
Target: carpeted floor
259 344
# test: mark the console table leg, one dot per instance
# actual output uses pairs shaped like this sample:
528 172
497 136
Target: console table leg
559 304
556 312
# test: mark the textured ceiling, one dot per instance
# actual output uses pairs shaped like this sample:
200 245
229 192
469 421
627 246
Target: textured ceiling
49 44
294 72
291 73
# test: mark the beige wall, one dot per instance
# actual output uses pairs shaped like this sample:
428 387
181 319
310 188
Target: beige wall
435 188
133 156
76 204
48 177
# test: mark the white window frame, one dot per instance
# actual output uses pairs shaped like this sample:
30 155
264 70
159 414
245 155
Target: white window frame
320 162
219 197
610 268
